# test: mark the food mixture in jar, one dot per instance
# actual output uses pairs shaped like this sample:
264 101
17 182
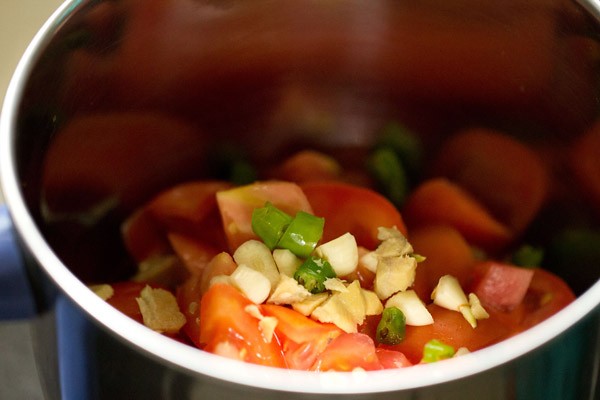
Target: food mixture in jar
327 185
304 270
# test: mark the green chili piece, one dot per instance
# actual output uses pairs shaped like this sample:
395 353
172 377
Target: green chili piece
528 256
387 169
269 223
242 173
405 144
302 234
313 273
435 350
392 327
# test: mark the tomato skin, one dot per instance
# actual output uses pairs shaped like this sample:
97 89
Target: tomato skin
439 201
348 208
303 339
194 253
188 297
451 328
479 159
392 359
347 352
225 322
547 295
191 209
124 297
237 204
143 236
446 252
308 165
501 286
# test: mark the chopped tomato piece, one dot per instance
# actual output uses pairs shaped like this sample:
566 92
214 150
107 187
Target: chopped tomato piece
191 208
228 329
78 176
547 295
446 252
303 339
502 173
392 359
124 297
236 206
453 329
308 165
501 286
188 297
143 236
353 209
194 253
439 201
347 352
221 264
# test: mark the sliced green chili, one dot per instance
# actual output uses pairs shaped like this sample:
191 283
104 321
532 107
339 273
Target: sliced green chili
405 144
435 350
302 234
313 273
392 327
388 171
269 223
528 256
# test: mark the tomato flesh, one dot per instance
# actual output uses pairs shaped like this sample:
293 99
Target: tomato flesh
236 206
347 352
303 339
353 209
501 286
226 324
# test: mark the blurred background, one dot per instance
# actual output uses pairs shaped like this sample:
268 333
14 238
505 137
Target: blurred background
19 22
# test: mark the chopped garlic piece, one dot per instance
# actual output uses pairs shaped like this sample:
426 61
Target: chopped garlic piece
160 310
288 291
461 352
286 261
253 284
465 310
266 324
449 294
412 307
478 311
369 261
226 349
267 327
104 291
253 310
256 255
341 253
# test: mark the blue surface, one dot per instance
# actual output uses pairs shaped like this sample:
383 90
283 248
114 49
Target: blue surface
16 300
